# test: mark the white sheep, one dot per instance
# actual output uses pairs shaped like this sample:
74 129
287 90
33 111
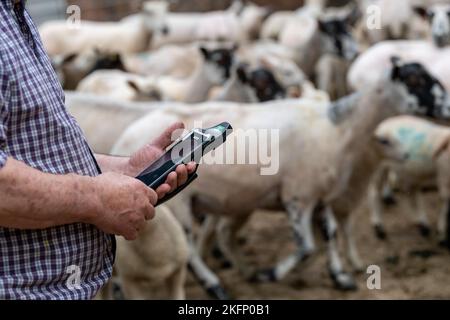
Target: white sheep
95 114
72 68
134 33
316 170
237 24
214 69
121 85
415 150
155 264
276 22
369 67
177 61
388 20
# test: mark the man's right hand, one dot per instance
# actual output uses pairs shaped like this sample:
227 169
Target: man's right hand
124 204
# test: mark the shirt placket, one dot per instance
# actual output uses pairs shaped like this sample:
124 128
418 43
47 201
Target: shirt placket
19 11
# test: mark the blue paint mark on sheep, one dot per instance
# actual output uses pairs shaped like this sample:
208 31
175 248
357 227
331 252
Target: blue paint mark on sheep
415 142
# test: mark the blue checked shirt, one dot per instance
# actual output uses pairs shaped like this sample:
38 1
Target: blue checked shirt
36 128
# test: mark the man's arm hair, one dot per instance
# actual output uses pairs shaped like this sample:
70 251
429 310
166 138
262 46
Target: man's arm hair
31 199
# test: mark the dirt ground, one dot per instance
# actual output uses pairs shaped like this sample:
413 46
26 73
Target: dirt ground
405 272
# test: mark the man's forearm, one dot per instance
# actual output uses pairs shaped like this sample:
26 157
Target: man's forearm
31 199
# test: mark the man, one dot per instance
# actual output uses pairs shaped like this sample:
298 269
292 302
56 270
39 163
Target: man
58 214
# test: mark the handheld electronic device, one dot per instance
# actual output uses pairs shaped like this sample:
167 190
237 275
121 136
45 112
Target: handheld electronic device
190 148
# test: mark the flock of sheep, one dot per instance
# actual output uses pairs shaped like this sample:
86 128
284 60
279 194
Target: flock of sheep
345 98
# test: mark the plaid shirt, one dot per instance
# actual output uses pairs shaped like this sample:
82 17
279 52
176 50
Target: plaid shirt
36 128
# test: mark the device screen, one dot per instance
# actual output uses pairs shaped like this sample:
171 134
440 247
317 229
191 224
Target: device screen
189 149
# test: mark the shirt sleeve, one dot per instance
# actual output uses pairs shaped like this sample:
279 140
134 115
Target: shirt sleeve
4 87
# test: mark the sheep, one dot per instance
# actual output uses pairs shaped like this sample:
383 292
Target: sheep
95 114
251 85
121 85
276 22
329 35
397 20
438 15
177 61
71 69
135 33
313 174
414 149
213 70
156 260
331 76
237 24
377 58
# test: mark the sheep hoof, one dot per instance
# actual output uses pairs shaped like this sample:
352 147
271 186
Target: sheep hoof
344 281
445 244
217 253
424 230
267 275
389 200
380 232
117 293
358 269
225 264
217 292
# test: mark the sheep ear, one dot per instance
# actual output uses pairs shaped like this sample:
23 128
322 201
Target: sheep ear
69 58
237 7
133 85
443 145
421 11
396 64
354 16
204 52
322 26
241 72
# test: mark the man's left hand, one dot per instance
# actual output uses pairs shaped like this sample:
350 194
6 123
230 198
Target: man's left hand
154 150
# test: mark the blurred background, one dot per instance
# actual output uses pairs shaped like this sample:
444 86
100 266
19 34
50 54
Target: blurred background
113 10
131 57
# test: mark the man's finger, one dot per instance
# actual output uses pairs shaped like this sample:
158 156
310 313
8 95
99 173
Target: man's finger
152 196
182 174
172 181
191 166
167 137
162 190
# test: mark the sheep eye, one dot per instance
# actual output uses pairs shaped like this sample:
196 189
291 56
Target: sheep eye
384 142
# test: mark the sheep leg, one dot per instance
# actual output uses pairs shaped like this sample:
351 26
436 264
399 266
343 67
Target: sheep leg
375 202
207 278
444 225
228 229
300 221
176 284
352 251
206 235
423 224
342 279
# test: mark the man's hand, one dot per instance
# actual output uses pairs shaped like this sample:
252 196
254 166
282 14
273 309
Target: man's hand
151 152
124 204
